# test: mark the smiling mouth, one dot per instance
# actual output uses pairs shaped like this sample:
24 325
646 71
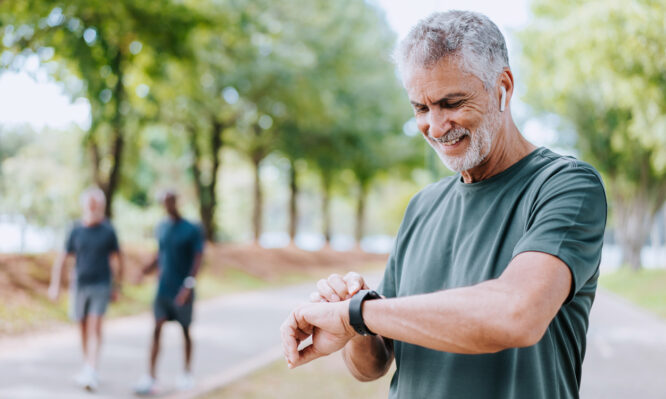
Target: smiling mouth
450 142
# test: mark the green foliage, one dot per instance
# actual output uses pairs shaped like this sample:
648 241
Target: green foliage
600 65
109 47
174 84
42 184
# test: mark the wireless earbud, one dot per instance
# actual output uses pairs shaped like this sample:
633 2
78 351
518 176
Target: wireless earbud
503 100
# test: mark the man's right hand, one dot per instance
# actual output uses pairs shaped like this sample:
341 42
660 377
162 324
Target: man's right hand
336 288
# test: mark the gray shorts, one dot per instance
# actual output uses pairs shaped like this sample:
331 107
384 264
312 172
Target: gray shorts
89 300
166 309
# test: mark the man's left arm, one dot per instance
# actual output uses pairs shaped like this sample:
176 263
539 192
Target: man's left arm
117 268
511 311
188 284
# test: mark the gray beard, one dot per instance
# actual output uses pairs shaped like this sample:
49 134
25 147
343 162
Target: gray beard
479 147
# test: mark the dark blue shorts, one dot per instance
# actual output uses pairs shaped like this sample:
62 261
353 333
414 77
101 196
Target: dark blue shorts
166 309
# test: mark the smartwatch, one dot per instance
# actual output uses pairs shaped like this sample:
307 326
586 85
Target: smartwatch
356 308
189 282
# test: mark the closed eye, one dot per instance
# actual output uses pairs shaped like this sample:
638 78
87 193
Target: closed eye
420 109
456 104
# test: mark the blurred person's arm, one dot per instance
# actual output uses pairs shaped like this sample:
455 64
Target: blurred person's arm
186 290
150 266
57 271
117 268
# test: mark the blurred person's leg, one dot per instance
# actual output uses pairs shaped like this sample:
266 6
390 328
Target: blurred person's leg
83 326
188 349
155 347
183 314
99 297
94 326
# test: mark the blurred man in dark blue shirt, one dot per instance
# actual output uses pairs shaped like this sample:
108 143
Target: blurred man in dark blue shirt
178 259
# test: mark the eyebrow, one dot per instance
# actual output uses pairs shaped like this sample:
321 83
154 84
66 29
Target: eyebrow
446 98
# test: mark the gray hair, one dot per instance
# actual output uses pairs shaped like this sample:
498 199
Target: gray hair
471 37
92 192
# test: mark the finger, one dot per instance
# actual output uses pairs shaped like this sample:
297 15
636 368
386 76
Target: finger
289 339
355 282
315 297
338 285
326 291
289 345
306 355
296 329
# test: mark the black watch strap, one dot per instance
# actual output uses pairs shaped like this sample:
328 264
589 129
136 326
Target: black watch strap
355 310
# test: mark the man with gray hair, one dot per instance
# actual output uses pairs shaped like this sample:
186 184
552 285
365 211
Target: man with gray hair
488 289
95 282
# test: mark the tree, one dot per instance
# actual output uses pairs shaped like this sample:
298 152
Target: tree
600 66
198 100
99 42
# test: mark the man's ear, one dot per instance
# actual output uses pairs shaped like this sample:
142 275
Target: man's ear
505 82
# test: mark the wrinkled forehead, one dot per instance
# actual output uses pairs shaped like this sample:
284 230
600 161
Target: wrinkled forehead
447 75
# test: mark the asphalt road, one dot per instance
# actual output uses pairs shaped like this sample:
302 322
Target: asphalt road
626 352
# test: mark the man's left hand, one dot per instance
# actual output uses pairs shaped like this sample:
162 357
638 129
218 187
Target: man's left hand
327 323
183 296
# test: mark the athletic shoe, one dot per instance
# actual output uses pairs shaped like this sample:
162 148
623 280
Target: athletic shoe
87 378
185 382
147 385
93 382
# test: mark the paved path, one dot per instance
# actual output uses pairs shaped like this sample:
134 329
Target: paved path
236 334
232 335
626 352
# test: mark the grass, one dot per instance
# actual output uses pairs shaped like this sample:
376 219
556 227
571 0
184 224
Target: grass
325 378
646 287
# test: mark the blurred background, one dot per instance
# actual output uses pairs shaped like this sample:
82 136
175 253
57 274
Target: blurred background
285 129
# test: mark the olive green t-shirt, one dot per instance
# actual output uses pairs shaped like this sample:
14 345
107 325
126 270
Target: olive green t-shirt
456 234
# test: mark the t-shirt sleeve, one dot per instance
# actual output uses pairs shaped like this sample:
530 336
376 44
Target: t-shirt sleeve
115 247
69 243
387 286
198 239
567 220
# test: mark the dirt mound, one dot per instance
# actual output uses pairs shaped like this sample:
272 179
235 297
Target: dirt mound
28 275
269 263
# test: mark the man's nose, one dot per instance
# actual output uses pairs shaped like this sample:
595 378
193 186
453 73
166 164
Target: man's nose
439 122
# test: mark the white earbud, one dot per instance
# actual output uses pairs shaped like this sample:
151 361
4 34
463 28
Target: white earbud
503 100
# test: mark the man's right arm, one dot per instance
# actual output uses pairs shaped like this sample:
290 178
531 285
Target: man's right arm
57 272
150 266
368 357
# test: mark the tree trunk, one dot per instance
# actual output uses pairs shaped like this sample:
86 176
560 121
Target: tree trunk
293 196
360 214
206 190
94 155
634 215
118 143
258 200
325 205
